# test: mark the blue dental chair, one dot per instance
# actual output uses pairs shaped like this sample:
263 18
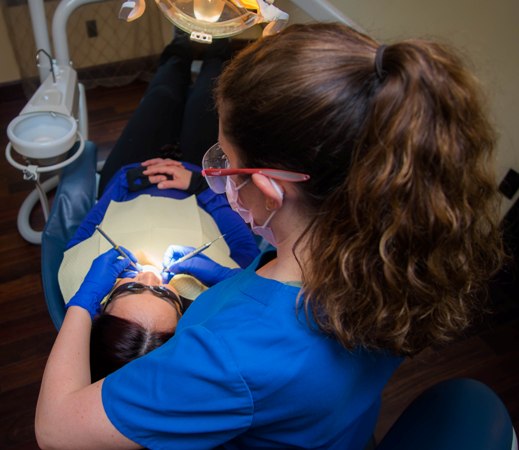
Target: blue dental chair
455 414
75 196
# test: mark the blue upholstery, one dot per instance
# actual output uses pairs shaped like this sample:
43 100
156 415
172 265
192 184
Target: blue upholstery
75 196
455 414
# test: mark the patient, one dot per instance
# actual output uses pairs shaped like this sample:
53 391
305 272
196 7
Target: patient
173 111
138 316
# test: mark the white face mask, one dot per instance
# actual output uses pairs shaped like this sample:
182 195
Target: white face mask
264 230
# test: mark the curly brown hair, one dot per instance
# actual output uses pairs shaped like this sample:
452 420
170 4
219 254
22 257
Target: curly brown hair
402 199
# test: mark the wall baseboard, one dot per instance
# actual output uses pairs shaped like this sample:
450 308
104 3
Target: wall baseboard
23 88
94 75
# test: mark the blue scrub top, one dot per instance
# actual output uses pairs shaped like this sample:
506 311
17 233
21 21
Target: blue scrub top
246 370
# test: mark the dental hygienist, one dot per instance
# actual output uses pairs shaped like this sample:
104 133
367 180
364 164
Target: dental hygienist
364 165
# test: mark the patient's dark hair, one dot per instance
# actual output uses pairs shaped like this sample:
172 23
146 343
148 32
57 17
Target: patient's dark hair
115 342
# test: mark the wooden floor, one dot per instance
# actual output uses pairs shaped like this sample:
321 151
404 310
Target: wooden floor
26 332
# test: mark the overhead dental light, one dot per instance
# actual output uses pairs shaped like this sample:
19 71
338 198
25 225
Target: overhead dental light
208 19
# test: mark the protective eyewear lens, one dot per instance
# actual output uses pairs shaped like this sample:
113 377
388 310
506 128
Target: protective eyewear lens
137 288
215 158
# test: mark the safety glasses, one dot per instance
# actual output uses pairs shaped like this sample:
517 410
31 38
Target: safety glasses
216 169
137 288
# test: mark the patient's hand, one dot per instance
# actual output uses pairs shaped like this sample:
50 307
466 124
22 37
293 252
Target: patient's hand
158 168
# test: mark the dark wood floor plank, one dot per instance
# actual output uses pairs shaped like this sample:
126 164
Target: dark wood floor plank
25 348
25 371
31 325
16 431
19 287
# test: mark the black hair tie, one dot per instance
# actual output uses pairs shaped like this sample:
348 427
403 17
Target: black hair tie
379 55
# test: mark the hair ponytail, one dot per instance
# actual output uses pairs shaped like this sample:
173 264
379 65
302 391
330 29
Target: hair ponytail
422 235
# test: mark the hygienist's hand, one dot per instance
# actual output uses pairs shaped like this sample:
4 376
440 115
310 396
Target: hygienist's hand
199 266
158 169
100 279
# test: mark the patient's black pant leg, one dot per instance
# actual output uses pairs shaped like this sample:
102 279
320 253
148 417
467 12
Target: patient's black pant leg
156 121
200 125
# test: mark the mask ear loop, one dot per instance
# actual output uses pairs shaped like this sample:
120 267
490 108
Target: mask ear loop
241 184
256 229
269 218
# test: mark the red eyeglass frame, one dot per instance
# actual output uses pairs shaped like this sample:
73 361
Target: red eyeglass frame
278 174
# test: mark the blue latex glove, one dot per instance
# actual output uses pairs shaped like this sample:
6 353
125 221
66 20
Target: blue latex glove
200 266
100 279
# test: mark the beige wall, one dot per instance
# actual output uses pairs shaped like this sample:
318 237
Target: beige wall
485 30
8 68
116 40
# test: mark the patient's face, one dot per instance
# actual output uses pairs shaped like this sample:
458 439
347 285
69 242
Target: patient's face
145 308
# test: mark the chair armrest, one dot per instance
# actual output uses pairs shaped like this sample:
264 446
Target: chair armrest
452 415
